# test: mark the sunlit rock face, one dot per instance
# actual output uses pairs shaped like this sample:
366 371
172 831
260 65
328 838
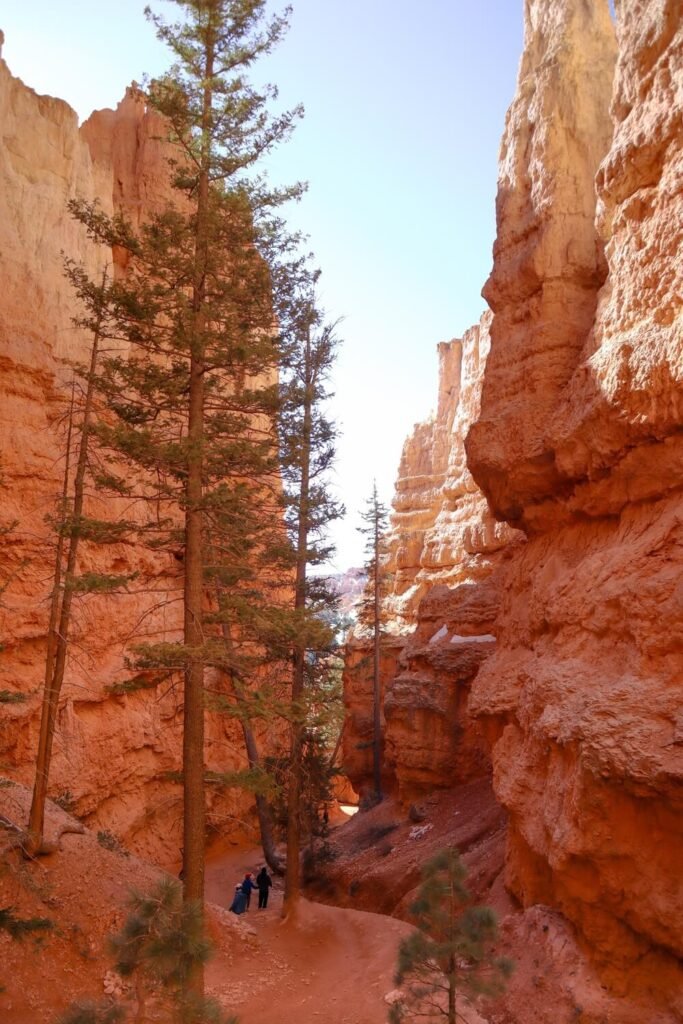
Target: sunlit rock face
579 441
548 257
446 553
442 530
112 755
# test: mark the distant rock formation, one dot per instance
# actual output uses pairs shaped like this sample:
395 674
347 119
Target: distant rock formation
116 759
442 530
348 587
444 548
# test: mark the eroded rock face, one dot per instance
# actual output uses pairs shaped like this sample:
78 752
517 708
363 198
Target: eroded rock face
114 757
431 739
548 257
579 440
445 553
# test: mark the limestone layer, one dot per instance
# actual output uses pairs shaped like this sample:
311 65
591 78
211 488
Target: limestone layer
115 758
579 441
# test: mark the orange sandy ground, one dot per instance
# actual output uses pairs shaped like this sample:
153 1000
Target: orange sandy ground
331 965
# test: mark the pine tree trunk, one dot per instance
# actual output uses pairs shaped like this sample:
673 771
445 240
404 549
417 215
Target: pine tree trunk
194 809
254 760
377 726
262 810
292 879
58 639
451 990
194 813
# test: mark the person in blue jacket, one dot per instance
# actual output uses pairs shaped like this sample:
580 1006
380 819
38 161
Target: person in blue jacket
247 886
239 903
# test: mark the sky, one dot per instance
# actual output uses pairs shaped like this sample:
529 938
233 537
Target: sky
405 104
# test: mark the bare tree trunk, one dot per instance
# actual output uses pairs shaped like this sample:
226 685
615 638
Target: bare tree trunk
292 877
58 634
254 760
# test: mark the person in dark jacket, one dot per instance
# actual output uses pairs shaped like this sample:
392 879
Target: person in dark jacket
247 886
264 882
239 903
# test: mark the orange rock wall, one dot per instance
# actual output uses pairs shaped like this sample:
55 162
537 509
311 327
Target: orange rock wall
579 441
111 754
570 428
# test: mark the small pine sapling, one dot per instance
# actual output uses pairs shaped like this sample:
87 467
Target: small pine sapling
159 947
451 950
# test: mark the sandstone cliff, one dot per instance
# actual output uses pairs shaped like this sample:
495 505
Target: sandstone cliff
114 757
579 441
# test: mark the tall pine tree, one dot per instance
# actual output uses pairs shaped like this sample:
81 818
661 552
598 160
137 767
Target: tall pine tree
194 388
307 439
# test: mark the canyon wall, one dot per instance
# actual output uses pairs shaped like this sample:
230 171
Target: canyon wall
537 539
579 442
116 758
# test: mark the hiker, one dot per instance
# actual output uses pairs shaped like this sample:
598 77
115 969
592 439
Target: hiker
247 886
264 882
239 903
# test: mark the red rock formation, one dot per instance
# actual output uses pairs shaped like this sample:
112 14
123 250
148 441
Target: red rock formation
112 755
579 440
431 739
445 550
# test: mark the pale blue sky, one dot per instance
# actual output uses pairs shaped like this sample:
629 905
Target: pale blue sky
405 105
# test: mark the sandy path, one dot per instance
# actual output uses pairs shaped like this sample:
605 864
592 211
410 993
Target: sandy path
332 965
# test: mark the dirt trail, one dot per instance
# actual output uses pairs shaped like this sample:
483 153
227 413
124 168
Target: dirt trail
332 965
